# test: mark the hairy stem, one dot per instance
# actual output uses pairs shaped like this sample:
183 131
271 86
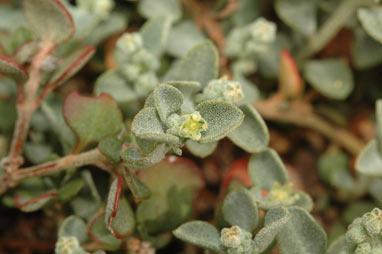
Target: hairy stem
331 27
301 114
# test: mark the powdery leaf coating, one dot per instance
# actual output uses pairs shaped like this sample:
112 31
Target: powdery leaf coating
168 100
221 117
369 161
111 147
91 118
266 168
240 209
201 234
252 135
331 77
371 20
134 158
73 226
72 64
11 69
49 19
298 14
139 190
301 234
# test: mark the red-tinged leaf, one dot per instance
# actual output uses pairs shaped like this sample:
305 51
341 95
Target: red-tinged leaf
26 51
119 217
11 69
24 202
72 65
100 234
238 171
92 118
49 20
290 81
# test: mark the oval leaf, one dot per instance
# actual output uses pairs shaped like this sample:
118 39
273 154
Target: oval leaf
221 117
252 135
134 157
240 209
154 34
13 70
91 118
265 168
49 19
369 161
168 100
201 150
73 226
111 147
290 81
371 20
140 190
201 234
332 77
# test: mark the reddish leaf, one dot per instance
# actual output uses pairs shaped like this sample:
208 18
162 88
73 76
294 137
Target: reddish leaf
26 204
290 82
12 69
238 171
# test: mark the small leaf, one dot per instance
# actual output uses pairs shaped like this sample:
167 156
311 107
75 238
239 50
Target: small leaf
147 125
240 209
134 157
221 117
71 189
101 234
71 65
266 168
91 118
200 64
119 217
49 19
140 190
73 226
369 161
26 203
188 89
378 116
301 234
13 70
201 234
275 219
331 77
252 135
201 150
298 14
290 81
367 52
160 8
340 245
168 100
155 33
111 147
371 20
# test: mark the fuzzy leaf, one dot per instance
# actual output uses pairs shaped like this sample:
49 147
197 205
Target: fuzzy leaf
298 14
240 209
275 219
301 234
340 245
73 226
168 100
72 64
201 150
13 70
49 19
119 217
371 20
134 158
200 64
140 190
265 168
331 77
221 117
188 89
369 161
378 116
147 125
111 147
252 135
201 234
160 8
91 118
155 33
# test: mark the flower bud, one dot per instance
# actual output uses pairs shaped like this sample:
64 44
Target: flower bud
187 126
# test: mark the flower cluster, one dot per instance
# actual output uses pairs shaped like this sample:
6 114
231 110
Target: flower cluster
68 245
283 193
237 241
100 7
222 90
187 126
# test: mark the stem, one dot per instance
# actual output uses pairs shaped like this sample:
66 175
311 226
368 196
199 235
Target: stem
331 27
300 113
26 106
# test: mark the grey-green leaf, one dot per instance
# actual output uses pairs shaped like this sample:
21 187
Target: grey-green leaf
371 20
200 64
299 14
331 77
160 8
252 135
135 159
140 190
155 33
201 234
168 100
13 70
240 209
201 150
73 226
49 19
369 161
301 234
111 148
265 168
221 117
